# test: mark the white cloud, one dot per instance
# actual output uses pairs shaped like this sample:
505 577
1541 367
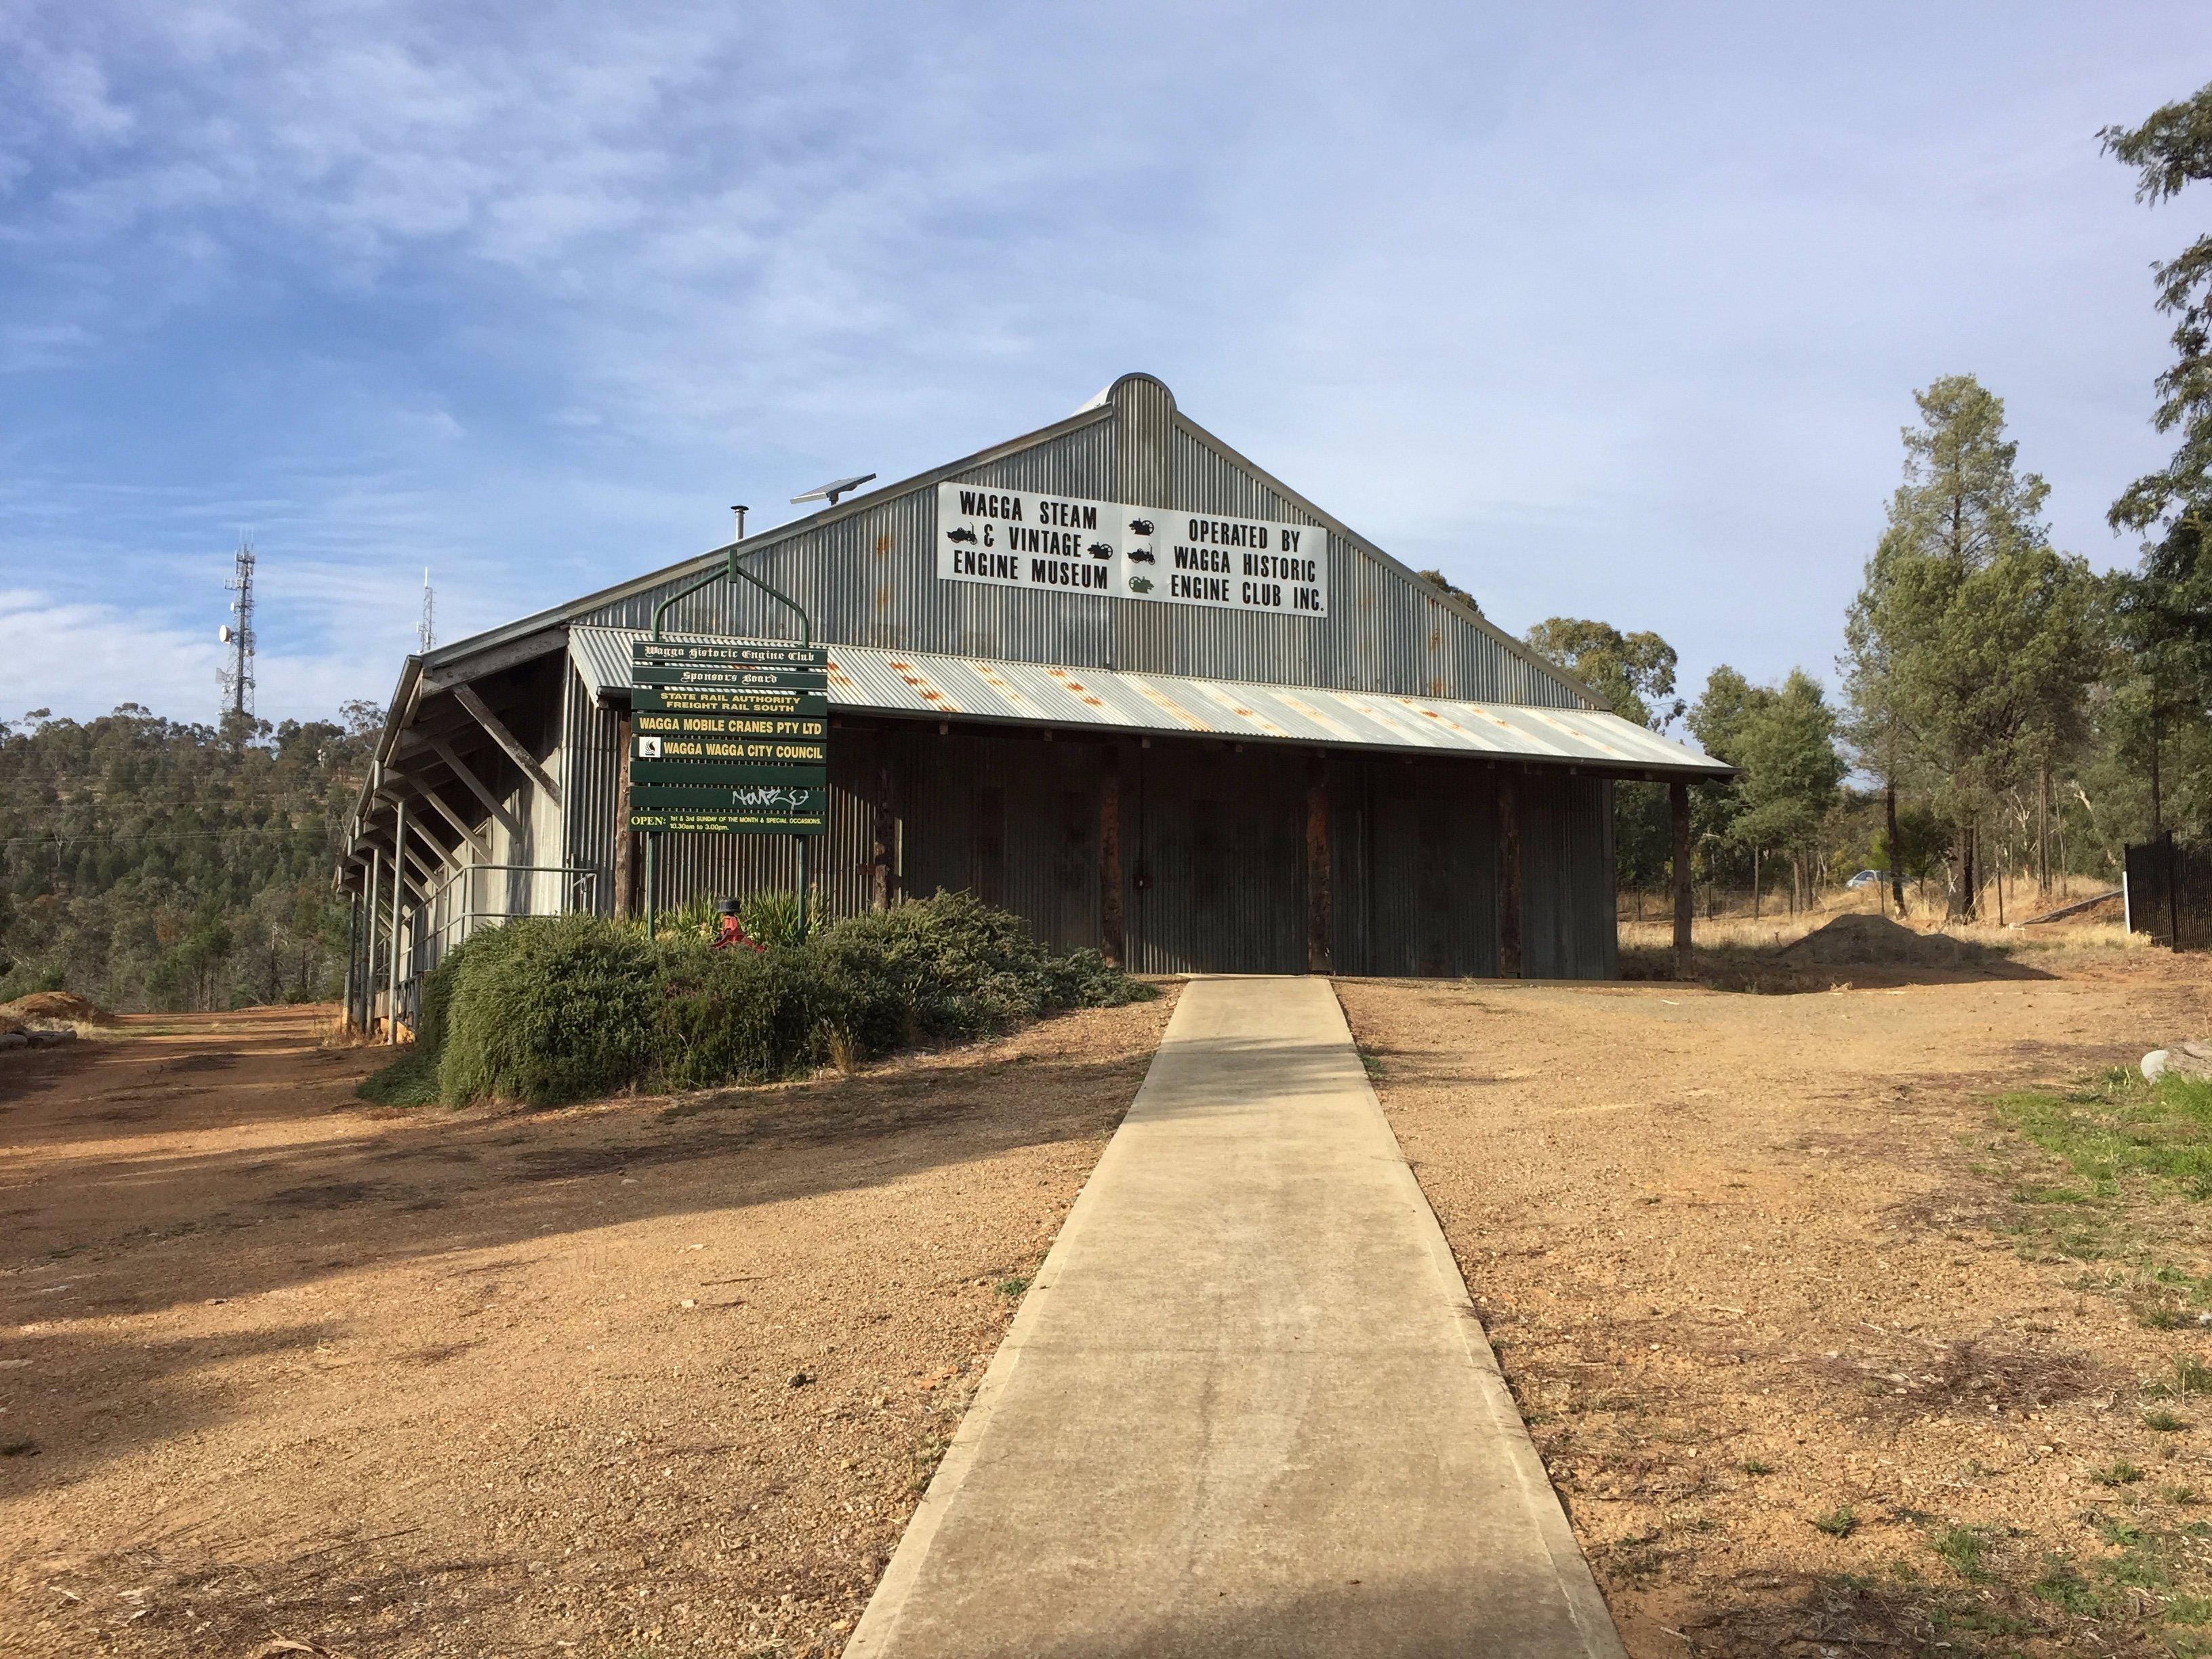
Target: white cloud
1606 310
82 660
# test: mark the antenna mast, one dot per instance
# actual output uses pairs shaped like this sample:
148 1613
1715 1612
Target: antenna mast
237 677
427 633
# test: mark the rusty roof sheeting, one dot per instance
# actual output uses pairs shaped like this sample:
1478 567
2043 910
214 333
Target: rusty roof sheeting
910 683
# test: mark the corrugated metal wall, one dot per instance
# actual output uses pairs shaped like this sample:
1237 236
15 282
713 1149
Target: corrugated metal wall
1568 917
1214 853
1214 872
1014 821
591 785
1414 847
871 579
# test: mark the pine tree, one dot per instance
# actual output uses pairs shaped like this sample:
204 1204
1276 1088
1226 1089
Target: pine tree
2164 612
1973 640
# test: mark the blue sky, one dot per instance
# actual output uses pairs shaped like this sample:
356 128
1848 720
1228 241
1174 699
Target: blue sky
1607 311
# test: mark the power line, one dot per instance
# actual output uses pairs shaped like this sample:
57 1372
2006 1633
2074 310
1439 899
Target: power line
191 804
164 834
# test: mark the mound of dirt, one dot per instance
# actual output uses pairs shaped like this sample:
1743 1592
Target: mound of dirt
1877 940
66 1006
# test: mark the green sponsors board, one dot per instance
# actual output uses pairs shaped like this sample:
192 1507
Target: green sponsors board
725 656
686 774
733 809
732 700
729 737
707 679
684 725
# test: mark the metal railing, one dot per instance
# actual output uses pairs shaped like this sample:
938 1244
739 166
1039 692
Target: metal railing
487 895
493 893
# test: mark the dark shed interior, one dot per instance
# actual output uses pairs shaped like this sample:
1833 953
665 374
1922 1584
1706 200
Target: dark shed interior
1218 856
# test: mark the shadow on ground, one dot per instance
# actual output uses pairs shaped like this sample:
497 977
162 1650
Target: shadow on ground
106 1221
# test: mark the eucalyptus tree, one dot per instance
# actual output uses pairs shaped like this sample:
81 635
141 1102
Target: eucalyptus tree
1782 740
1634 675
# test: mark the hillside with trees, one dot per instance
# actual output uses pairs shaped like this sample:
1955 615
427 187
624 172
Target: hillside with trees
150 864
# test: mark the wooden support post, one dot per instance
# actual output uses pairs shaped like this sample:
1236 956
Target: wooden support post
1508 874
476 786
625 838
437 803
467 698
1320 930
353 957
883 848
1109 857
1678 804
398 891
368 944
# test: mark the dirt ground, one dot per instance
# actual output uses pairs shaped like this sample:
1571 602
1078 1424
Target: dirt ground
1756 1270
654 1377
639 1379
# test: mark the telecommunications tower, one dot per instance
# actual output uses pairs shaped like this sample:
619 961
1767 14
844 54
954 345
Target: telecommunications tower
237 674
427 631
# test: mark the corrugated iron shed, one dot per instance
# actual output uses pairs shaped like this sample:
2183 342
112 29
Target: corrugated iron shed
867 679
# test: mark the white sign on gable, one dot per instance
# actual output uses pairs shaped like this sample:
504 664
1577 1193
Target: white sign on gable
1027 538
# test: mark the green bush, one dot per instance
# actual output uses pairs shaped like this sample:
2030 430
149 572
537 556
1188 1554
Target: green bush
772 919
412 1080
952 967
768 918
548 1010
737 1015
409 1080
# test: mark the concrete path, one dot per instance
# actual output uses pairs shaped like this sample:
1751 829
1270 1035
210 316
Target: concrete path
1246 1408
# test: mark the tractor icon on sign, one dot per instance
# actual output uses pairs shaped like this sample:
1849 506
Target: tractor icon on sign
961 534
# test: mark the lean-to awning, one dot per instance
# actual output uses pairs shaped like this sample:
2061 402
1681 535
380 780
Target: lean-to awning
867 679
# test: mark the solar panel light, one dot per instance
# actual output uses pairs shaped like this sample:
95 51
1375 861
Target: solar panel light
831 492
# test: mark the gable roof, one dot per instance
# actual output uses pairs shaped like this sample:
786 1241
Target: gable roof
1099 409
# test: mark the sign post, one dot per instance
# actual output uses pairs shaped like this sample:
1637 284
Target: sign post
729 736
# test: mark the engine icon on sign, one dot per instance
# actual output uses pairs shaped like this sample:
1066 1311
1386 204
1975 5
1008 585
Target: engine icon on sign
961 534
1141 527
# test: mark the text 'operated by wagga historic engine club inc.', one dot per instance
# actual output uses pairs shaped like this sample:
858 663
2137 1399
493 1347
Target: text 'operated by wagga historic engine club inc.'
1063 544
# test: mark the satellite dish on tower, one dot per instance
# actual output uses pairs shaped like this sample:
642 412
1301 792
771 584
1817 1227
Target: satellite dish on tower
223 634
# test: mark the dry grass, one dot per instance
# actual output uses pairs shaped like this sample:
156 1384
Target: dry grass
1773 933
1924 907
1734 943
